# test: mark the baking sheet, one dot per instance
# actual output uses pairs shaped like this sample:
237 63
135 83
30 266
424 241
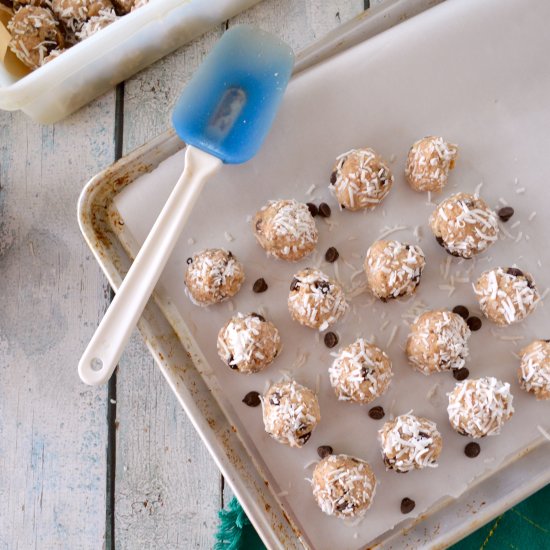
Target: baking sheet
490 98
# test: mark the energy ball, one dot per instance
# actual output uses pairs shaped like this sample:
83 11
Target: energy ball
438 341
343 486
410 442
35 33
464 225
212 276
393 269
291 413
96 23
286 229
506 295
74 13
316 300
479 407
360 180
361 372
248 343
534 370
429 162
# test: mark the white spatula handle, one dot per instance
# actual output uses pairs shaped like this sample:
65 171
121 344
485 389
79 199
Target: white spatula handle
106 346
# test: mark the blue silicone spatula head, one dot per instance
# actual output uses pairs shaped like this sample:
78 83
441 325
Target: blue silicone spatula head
228 106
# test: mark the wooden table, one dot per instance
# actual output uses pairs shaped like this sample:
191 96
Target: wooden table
84 467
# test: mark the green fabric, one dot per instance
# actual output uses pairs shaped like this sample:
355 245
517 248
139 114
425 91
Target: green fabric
526 526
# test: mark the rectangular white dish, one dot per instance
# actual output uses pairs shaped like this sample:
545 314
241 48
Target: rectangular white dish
306 103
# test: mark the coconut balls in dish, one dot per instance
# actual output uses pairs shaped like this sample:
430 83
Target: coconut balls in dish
290 412
361 372
248 343
464 225
286 229
429 162
534 369
74 13
343 486
480 407
393 269
360 179
506 295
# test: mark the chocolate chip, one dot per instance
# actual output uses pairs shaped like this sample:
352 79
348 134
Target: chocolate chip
313 210
515 272
252 399
365 371
275 399
259 286
230 254
294 285
505 213
547 341
304 438
230 361
258 225
440 241
407 505
474 323
258 316
324 450
324 210
424 435
333 178
341 506
331 255
331 339
323 285
189 261
462 311
472 449
461 374
377 413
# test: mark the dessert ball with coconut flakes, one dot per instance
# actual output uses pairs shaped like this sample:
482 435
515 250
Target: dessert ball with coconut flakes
438 341
429 162
393 269
248 343
410 442
291 413
361 372
343 486
286 229
212 276
534 370
464 225
96 23
506 295
74 13
360 179
315 300
480 407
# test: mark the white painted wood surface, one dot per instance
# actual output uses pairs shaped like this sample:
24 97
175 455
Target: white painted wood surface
53 429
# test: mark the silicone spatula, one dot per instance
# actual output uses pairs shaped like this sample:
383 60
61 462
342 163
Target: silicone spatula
223 116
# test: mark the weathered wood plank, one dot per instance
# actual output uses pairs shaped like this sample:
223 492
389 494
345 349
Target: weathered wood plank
53 429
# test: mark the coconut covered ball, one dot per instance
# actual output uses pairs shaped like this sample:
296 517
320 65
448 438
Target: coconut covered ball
410 442
34 34
96 23
291 413
286 229
534 370
393 269
360 179
480 407
429 162
315 300
248 343
464 225
343 486
212 276
438 341
506 295
361 372
74 13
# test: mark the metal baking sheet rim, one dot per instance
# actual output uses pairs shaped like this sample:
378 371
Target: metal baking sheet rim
104 232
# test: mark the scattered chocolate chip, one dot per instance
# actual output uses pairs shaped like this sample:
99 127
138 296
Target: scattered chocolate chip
324 450
461 374
275 399
365 371
323 285
331 339
505 213
252 399
230 254
440 241
547 341
407 505
474 323
341 506
294 285
424 435
331 255
515 272
343 206
313 210
333 178
258 316
460 432
377 413
189 261
229 361
462 311
472 449
324 210
258 225
259 286
304 438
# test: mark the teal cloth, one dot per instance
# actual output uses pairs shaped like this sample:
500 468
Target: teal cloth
526 526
